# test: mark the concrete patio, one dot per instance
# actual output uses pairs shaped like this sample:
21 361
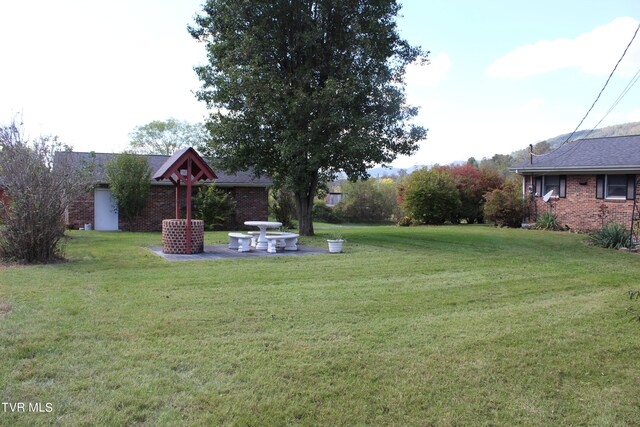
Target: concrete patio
212 252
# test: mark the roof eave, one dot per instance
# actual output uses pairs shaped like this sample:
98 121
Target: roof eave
576 169
218 184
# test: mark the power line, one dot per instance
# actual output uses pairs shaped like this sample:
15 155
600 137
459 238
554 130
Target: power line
603 87
624 92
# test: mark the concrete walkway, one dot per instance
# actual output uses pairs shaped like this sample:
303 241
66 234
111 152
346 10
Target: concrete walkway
223 252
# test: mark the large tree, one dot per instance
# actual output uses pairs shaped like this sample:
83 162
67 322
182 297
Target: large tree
301 90
166 137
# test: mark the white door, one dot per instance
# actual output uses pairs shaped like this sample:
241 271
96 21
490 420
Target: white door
106 210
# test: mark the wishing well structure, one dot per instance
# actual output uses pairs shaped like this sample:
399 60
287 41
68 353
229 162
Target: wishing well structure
184 168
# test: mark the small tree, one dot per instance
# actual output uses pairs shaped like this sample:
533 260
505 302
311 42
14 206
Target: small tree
130 183
505 206
215 206
431 197
40 186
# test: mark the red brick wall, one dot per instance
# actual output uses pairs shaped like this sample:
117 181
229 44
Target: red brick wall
251 204
161 205
81 212
580 210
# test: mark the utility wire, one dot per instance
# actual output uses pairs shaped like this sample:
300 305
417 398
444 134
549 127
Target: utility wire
603 87
624 92
633 81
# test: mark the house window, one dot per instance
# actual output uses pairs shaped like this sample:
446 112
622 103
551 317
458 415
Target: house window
555 183
552 183
615 187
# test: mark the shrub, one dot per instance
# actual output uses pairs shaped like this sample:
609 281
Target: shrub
614 235
548 221
367 201
505 206
405 221
283 207
324 213
130 178
39 191
431 197
215 206
472 183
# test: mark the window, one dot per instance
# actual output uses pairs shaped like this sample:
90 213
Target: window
616 187
555 183
552 183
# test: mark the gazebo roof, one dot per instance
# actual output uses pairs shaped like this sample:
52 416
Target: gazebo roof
200 170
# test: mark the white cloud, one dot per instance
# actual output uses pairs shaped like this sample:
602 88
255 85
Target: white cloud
634 116
428 76
532 105
595 52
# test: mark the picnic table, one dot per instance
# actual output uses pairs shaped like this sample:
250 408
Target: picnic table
262 243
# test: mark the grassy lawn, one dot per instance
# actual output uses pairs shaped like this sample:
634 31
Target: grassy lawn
466 325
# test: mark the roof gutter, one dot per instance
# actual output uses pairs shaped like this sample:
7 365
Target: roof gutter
577 169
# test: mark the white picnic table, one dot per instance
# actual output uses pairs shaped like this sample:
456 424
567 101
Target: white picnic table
261 243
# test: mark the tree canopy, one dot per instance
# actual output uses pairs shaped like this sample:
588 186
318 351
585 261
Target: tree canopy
166 137
301 90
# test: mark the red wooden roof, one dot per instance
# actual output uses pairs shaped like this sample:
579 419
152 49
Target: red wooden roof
200 170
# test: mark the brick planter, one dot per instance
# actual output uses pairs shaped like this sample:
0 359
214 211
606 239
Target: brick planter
174 236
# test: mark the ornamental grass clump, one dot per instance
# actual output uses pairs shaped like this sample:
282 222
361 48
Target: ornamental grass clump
614 235
548 221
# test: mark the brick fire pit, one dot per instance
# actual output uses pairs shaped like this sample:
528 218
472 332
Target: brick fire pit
174 236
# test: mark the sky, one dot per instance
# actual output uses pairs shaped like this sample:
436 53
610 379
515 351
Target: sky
502 74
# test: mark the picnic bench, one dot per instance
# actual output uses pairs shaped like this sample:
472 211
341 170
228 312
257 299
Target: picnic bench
286 240
240 241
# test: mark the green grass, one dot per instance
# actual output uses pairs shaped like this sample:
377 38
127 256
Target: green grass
466 325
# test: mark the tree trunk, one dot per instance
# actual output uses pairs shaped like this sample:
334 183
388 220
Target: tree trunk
304 203
305 219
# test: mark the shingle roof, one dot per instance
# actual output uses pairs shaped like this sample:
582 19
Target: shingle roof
100 160
618 153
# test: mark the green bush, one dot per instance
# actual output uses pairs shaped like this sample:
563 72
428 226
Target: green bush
613 235
431 197
130 178
548 221
368 201
283 207
215 206
505 206
405 221
324 213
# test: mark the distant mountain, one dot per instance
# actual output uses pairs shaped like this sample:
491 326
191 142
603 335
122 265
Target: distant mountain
624 129
381 172
632 128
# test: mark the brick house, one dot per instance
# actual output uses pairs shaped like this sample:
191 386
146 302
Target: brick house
593 182
98 207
